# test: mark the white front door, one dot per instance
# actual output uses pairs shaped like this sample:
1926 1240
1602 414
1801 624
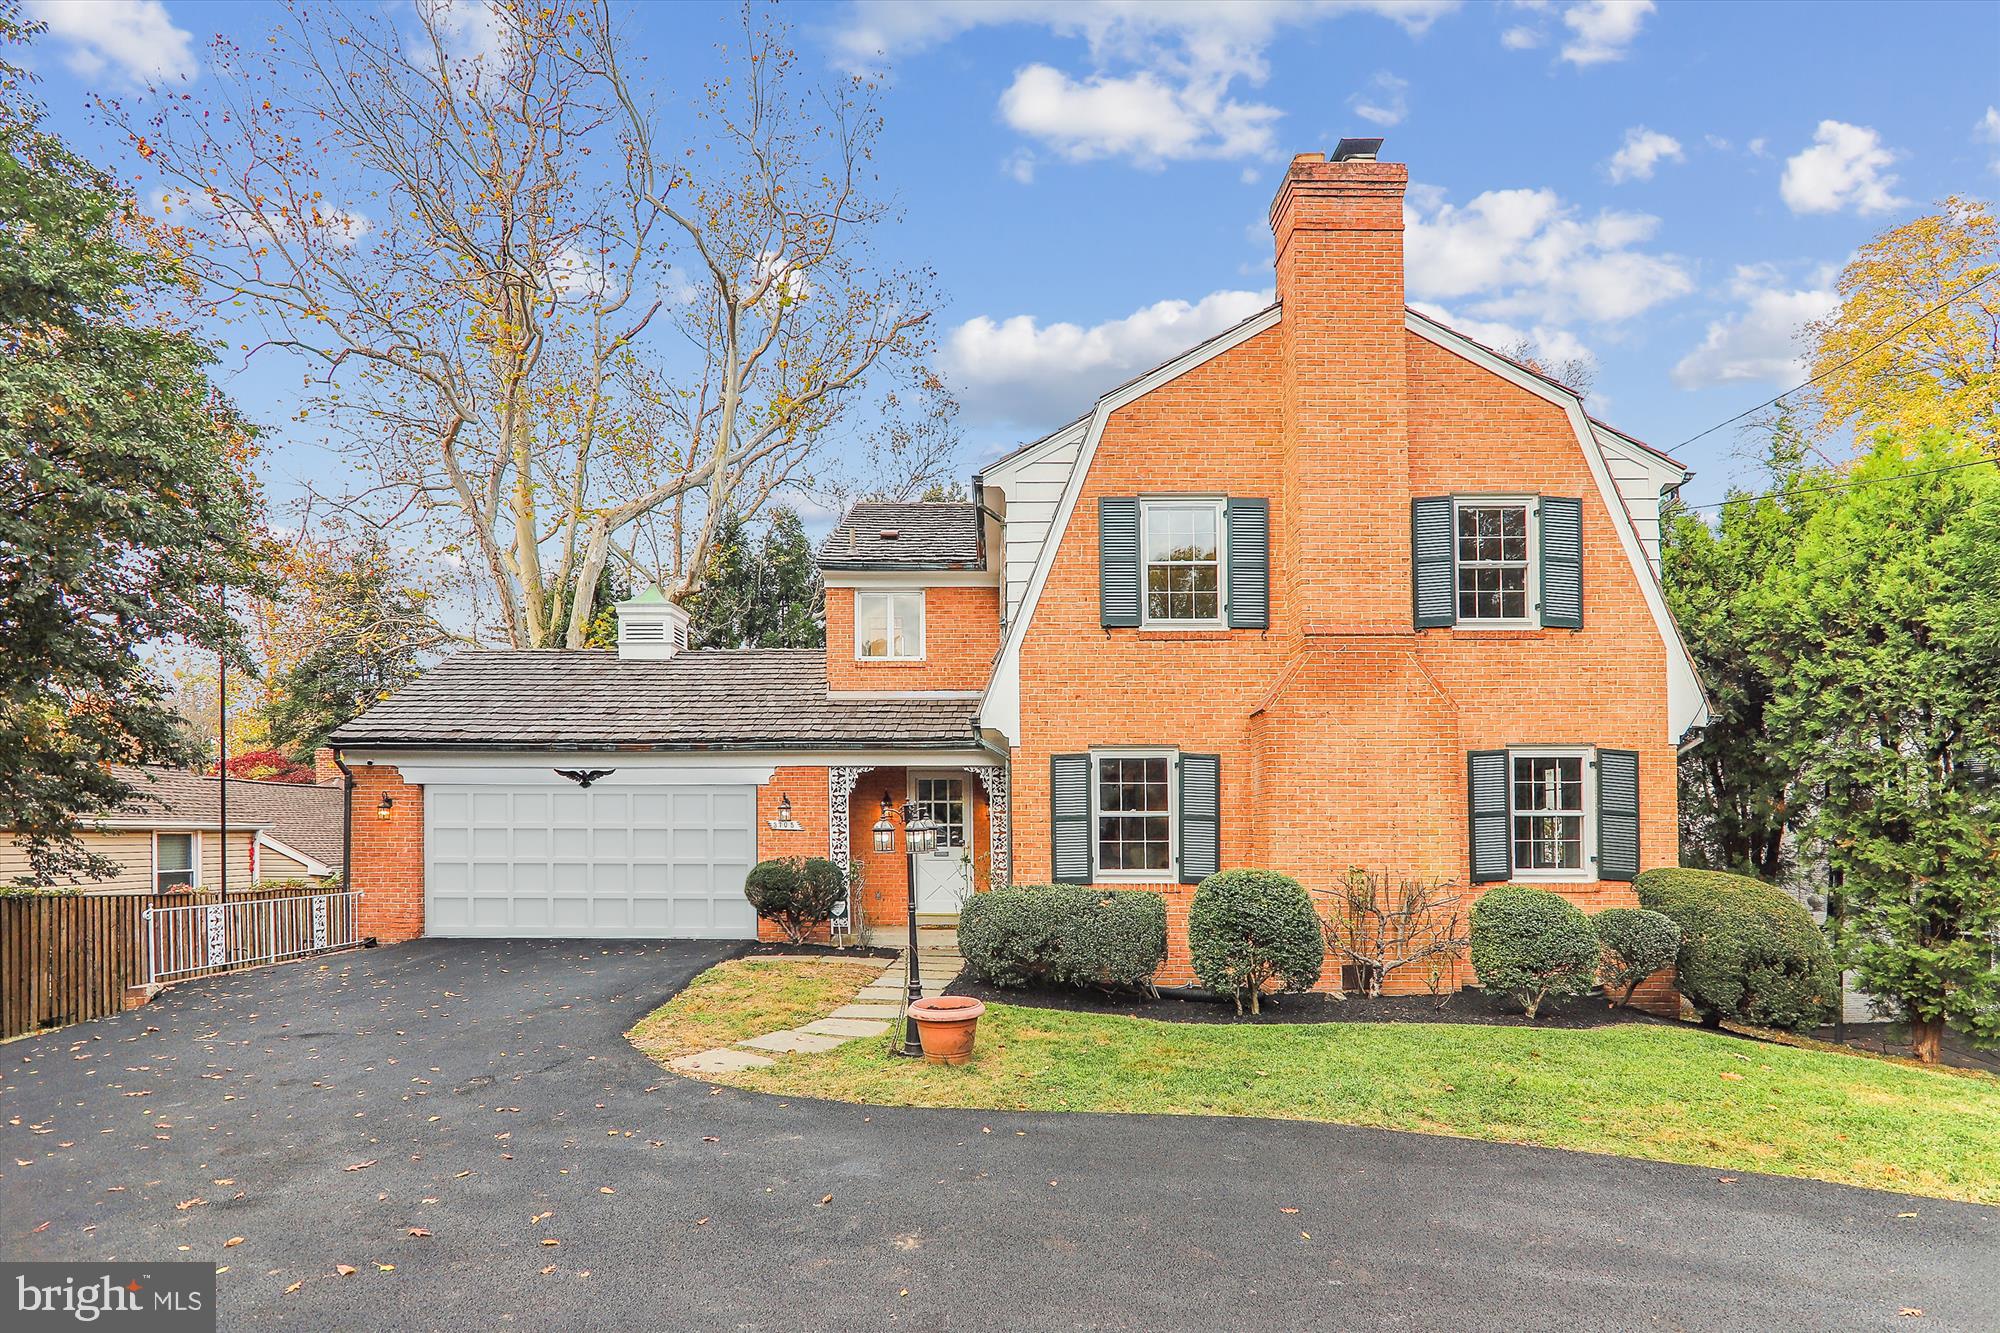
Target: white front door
944 877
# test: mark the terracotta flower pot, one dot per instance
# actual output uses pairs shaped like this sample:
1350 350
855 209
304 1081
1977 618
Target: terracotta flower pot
946 1025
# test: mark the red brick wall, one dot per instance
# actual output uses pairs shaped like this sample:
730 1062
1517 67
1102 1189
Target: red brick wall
388 854
1342 730
961 636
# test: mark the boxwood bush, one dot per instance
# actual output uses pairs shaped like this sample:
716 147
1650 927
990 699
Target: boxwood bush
1250 928
1532 944
1064 935
1748 951
795 895
1637 943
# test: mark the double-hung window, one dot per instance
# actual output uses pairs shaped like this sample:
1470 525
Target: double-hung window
1493 550
173 861
1549 797
1182 543
889 626
1133 805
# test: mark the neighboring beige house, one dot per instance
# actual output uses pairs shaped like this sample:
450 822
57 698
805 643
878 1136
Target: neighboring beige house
170 835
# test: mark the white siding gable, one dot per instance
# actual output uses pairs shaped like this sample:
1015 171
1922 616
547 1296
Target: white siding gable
1032 485
1642 479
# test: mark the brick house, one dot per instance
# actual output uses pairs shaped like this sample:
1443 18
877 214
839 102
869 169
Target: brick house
1338 587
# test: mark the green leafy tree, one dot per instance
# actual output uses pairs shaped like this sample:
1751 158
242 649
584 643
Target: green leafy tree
1886 641
126 515
371 629
1739 788
762 590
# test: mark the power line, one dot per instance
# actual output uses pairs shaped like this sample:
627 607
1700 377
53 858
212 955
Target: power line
1839 485
1893 333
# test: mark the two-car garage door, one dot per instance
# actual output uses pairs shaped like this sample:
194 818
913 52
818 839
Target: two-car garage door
635 861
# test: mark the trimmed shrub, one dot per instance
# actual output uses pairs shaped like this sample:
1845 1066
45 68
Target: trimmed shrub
1637 943
1532 944
1748 950
793 894
1064 935
1249 928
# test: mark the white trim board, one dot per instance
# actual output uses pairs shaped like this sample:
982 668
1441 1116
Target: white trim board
913 579
644 768
1001 708
313 866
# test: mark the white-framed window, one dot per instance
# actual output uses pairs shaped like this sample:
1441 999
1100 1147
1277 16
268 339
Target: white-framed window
1183 558
1133 811
1493 561
1550 797
889 626
176 861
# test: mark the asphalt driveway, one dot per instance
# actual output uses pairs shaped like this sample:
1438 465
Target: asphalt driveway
481 1095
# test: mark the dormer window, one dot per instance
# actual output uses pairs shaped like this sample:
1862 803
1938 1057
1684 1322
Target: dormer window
889 626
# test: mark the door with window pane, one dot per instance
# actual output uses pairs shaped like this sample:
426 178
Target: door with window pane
944 877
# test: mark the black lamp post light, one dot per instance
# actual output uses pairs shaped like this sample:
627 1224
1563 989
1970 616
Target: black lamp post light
920 837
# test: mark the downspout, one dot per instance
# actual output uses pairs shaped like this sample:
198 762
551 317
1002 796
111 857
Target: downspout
347 834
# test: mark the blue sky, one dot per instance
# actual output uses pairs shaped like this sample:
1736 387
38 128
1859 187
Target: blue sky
1668 189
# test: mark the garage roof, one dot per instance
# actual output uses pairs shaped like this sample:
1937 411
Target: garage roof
709 697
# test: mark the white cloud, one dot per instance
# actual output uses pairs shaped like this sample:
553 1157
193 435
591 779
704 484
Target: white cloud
1022 371
1521 39
1526 255
1162 79
1385 101
1987 130
1140 117
1021 166
1642 151
134 42
1601 30
1554 345
1847 167
1759 343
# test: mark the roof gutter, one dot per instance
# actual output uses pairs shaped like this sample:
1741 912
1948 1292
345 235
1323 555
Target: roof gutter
643 747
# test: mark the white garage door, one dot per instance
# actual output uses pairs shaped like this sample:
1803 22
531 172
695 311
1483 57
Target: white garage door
646 862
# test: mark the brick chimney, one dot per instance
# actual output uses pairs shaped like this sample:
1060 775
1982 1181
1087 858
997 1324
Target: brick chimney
326 773
1346 533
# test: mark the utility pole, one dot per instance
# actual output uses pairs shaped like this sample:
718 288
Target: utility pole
222 764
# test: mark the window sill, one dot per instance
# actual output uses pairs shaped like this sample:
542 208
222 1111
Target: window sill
1191 634
1554 877
889 661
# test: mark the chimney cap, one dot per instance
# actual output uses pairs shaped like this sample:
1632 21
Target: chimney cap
1357 150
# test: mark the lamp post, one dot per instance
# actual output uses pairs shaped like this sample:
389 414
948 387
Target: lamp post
919 839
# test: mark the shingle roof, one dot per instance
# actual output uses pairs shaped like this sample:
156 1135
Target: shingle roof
706 697
301 815
927 536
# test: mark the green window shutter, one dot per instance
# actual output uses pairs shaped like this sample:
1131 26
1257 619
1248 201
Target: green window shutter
1069 818
1201 817
1617 814
1562 563
1430 561
1249 563
1118 560
1486 798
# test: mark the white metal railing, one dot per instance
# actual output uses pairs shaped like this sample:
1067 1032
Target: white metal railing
226 936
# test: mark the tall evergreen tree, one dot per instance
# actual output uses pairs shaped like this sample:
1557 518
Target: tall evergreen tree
126 515
762 589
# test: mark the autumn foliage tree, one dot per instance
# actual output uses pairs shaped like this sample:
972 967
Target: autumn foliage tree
1937 370
564 345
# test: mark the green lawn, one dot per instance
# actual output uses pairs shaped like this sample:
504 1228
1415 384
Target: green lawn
1674 1094
747 997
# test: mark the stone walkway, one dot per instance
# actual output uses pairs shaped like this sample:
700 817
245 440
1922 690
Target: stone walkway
874 1007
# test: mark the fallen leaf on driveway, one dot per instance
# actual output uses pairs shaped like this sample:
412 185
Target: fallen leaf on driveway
362 1166
829 1199
550 1240
550 1269
1910 1312
539 1216
295 1286
345 1270
701 1221
226 1180
1906 1214
1727 1180
1305 1235
710 1138
232 1242
386 1268
499 1109
420 1231
1288 1210
606 1189
186 1204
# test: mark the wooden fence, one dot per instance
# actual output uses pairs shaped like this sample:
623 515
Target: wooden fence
65 959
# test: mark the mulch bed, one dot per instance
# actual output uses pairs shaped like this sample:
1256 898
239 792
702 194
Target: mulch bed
859 952
1467 1006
